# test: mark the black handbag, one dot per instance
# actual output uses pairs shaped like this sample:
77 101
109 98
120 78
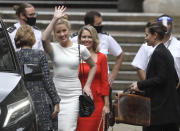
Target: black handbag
86 104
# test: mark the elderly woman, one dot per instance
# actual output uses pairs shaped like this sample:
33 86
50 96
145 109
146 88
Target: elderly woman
42 89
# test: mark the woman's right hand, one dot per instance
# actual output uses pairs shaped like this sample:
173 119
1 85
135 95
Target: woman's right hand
59 12
87 90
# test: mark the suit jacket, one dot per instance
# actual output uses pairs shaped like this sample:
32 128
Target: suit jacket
160 86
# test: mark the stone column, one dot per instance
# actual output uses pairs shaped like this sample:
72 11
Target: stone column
170 7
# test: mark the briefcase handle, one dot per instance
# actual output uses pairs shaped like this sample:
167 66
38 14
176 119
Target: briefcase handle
132 91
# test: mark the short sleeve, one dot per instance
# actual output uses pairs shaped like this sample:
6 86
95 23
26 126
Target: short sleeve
114 47
74 39
38 44
142 57
177 65
85 54
175 51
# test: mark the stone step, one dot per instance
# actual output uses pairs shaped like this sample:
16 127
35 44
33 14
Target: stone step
121 85
76 25
128 57
78 15
130 47
121 19
69 4
127 75
126 66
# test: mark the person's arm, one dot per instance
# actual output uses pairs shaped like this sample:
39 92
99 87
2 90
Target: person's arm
141 74
91 74
141 59
178 85
49 84
106 109
58 13
104 83
116 68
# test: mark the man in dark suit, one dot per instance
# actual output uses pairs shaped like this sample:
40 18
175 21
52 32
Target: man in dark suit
160 83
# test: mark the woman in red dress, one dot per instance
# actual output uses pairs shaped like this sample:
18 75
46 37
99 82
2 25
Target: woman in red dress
100 86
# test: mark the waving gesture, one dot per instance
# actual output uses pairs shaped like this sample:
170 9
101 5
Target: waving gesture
59 12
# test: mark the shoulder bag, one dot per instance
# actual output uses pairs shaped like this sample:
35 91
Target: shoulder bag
86 104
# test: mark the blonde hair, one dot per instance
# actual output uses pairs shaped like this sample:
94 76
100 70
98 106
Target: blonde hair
94 35
24 36
63 21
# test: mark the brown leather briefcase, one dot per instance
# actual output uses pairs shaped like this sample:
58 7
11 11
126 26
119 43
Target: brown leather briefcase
132 108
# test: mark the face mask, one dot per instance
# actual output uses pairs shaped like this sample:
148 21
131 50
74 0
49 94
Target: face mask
31 21
98 29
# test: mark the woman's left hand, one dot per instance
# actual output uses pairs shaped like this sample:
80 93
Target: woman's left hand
56 111
106 110
134 86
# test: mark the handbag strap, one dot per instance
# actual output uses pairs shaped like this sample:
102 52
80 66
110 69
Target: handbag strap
99 126
104 120
82 75
132 91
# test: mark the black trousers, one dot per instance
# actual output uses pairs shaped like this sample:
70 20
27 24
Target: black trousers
166 127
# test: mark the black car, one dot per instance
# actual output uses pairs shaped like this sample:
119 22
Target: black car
16 108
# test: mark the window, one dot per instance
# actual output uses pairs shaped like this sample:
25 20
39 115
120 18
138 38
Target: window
6 62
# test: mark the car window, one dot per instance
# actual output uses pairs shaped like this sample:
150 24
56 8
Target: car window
6 61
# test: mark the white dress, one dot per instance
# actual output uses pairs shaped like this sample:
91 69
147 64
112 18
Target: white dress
67 83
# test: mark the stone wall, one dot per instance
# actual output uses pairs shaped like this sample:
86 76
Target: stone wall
170 7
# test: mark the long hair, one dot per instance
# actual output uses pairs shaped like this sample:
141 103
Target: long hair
94 35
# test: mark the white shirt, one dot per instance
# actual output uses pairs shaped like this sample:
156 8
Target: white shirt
144 54
107 44
37 33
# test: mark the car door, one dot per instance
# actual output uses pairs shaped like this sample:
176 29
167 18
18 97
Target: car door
16 107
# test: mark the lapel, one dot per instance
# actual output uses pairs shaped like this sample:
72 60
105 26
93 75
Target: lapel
151 59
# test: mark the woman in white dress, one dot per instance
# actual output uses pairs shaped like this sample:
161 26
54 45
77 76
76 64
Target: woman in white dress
65 57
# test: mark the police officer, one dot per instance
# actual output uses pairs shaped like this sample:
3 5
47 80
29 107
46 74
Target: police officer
144 53
108 45
27 15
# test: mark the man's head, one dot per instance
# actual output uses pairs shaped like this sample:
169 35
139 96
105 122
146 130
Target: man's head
26 13
167 22
94 19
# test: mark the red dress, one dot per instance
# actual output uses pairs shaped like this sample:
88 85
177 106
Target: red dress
99 88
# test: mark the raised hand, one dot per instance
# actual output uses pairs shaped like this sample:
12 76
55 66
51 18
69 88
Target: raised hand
59 12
